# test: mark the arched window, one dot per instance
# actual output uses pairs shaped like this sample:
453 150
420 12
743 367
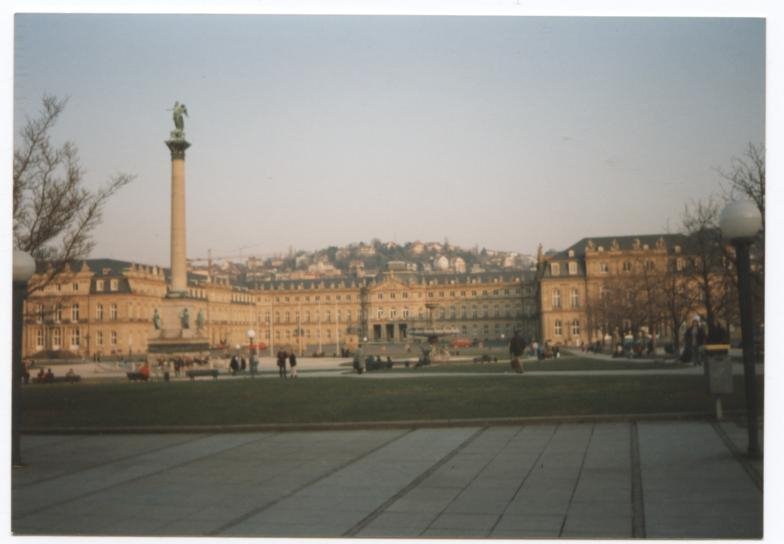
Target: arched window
556 298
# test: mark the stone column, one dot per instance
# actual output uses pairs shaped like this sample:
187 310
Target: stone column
179 274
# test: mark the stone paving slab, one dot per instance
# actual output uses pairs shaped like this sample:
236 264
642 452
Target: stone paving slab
533 481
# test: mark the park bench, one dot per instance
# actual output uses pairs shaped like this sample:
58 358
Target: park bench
137 376
193 374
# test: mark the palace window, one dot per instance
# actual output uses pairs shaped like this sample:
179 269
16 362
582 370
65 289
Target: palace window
380 313
307 317
474 315
627 266
74 312
603 268
392 314
327 316
39 312
58 313
75 336
287 317
277 317
555 269
56 338
572 268
99 338
452 312
99 285
39 338
381 296
112 285
649 266
680 264
114 338
576 327
75 286
556 298
113 312
575 298
405 313
558 327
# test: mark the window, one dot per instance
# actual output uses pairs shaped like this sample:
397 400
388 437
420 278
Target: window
75 286
114 338
277 317
572 268
576 327
113 312
327 316
287 317
575 298
381 296
75 336
556 298
680 264
380 313
603 268
39 312
74 312
555 269
58 313
39 338
99 338
473 312
99 285
56 338
405 313
627 266
452 312
558 327
112 285
392 314
649 266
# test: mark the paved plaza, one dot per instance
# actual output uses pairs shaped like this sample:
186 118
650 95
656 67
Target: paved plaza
654 479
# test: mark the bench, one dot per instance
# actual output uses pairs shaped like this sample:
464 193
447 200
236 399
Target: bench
193 374
137 376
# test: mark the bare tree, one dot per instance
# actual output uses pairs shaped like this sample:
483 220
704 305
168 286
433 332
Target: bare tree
54 214
700 224
746 177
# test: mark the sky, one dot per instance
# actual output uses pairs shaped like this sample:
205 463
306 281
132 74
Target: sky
317 130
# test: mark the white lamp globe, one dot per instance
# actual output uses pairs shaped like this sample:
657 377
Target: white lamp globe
251 334
24 266
740 220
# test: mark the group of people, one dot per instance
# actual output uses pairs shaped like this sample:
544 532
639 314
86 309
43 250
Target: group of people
697 335
283 357
240 364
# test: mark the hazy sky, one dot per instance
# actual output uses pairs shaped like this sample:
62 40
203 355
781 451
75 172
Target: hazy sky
309 131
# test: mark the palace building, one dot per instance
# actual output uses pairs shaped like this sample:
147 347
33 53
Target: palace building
102 307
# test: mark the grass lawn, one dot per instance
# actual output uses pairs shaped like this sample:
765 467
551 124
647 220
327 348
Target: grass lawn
338 399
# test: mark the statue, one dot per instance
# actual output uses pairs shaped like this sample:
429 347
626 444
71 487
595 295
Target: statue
156 320
200 320
177 112
185 319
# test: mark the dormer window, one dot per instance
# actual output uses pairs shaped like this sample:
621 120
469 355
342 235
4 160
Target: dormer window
113 285
572 268
555 269
99 285
571 253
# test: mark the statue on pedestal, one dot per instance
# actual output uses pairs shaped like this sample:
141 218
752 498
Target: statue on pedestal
156 320
200 320
185 319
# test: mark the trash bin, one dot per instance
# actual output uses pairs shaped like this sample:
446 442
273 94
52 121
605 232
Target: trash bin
718 373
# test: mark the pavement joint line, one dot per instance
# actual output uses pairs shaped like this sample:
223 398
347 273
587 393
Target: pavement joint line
109 462
739 456
255 511
134 479
370 425
577 480
364 522
527 475
638 502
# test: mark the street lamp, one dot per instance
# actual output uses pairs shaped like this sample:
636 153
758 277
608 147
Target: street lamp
740 222
251 334
24 268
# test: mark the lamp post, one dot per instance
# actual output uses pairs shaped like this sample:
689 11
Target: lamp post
740 222
24 268
251 334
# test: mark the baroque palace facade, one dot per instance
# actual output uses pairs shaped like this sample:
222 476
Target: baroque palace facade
103 307
600 286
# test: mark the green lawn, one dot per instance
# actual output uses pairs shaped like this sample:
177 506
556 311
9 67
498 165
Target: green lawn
338 399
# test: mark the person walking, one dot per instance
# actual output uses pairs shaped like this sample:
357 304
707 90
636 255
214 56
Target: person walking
293 364
694 342
282 355
516 350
